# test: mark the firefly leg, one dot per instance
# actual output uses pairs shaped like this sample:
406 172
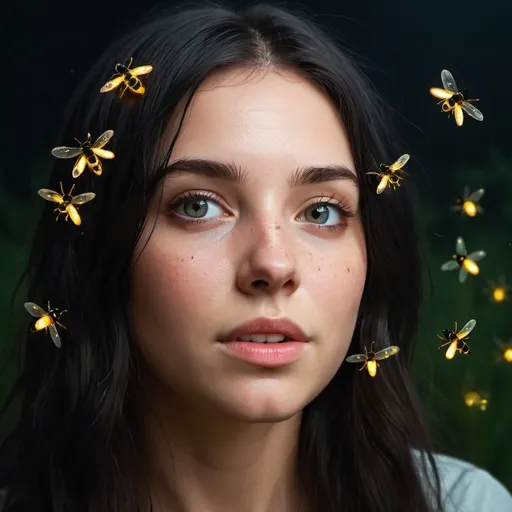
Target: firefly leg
61 313
444 344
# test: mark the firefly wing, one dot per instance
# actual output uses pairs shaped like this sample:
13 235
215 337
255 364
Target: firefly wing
476 256
387 352
460 247
442 94
463 274
466 329
83 198
65 152
502 281
112 84
356 358
399 163
449 265
141 70
472 111
448 81
103 139
476 195
55 335
50 195
35 310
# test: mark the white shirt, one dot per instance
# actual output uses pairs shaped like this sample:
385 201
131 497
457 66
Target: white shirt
467 488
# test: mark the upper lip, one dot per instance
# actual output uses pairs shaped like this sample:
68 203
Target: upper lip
263 325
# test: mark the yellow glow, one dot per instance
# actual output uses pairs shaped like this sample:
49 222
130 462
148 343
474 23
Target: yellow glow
442 94
103 153
499 294
74 214
470 266
507 355
459 115
469 208
79 166
372 368
383 184
471 398
43 322
451 350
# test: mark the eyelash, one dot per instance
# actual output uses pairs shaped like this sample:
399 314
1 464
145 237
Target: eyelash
343 208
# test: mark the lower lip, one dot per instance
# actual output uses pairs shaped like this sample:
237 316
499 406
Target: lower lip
269 355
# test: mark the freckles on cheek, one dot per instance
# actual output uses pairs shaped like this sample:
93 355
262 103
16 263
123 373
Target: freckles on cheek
177 283
339 282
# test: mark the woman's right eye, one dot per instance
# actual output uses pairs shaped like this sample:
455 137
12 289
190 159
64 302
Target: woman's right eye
193 206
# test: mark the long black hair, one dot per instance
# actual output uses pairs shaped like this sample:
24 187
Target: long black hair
74 446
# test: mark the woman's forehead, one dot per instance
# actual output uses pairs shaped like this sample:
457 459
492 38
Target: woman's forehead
271 116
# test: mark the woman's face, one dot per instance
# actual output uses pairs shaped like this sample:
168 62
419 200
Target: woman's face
260 247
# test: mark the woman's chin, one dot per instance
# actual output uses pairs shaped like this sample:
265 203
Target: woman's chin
267 401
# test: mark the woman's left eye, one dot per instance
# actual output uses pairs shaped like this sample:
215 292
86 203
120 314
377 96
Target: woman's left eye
323 211
197 208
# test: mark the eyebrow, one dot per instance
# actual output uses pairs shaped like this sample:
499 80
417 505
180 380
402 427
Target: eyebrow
232 172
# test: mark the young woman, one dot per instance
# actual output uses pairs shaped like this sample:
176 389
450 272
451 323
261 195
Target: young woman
236 206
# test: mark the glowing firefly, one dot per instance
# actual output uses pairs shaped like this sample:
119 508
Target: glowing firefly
476 399
468 203
461 259
390 174
498 292
88 154
455 339
47 320
127 78
505 351
370 358
68 204
455 102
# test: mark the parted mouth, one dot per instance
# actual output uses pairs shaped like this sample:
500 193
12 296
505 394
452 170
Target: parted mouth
266 330
264 338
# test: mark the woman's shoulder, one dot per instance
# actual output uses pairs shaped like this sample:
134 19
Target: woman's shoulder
468 488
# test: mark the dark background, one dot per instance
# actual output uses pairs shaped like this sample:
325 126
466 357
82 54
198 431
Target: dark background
402 47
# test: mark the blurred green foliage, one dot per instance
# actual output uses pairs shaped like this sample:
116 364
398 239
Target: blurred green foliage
482 437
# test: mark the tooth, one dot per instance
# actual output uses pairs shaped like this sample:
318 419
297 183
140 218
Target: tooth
263 338
258 338
275 338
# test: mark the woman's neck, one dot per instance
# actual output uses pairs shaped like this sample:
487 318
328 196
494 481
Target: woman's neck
200 460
